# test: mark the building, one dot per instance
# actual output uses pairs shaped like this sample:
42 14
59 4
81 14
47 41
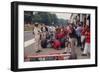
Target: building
82 18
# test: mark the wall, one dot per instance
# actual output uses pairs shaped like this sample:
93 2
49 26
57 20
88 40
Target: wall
5 35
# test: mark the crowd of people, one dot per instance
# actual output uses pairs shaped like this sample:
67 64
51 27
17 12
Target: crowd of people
67 37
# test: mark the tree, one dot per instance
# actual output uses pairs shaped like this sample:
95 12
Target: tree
43 17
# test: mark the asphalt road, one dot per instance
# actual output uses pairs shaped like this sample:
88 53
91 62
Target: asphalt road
30 50
28 35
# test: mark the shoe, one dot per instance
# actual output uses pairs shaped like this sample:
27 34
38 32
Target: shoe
64 52
82 49
84 54
38 51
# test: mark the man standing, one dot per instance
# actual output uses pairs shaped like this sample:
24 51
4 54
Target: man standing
37 38
87 43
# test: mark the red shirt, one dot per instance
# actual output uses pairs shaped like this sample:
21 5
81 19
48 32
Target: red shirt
87 35
83 31
60 35
65 31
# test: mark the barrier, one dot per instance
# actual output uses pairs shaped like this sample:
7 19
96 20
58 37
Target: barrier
46 57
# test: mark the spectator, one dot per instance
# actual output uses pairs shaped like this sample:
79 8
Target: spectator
71 51
84 28
44 30
87 43
67 47
78 33
72 37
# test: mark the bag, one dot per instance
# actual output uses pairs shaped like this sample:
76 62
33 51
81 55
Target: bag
33 32
44 43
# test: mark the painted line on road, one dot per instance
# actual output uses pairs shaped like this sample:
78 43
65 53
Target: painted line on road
29 42
27 31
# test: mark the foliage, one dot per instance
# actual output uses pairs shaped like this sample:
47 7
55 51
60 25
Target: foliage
43 17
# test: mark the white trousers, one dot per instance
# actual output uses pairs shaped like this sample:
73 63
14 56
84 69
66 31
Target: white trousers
73 42
82 38
37 42
86 48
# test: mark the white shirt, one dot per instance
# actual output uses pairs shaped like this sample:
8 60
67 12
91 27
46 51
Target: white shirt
37 31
